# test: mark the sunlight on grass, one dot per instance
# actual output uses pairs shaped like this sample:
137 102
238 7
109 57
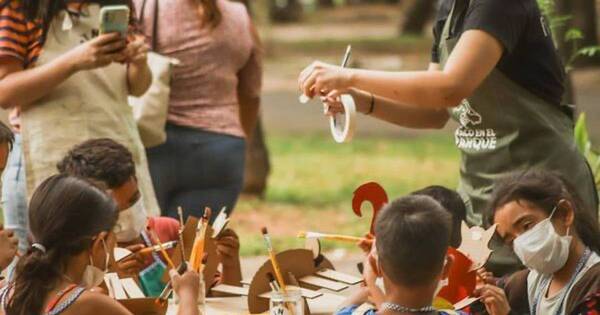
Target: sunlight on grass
313 179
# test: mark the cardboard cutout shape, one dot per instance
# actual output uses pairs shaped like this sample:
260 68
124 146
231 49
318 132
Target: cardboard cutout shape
474 244
373 193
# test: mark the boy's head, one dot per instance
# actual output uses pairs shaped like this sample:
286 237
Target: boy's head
453 203
413 236
7 138
107 162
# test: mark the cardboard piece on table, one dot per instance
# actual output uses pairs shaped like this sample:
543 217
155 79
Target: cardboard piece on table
324 283
464 303
461 279
475 242
340 277
145 306
132 289
230 289
299 262
375 194
220 222
121 253
210 247
115 287
246 281
306 293
314 245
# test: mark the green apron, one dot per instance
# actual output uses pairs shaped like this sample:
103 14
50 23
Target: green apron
504 128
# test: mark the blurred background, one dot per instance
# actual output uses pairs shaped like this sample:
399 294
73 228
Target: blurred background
300 179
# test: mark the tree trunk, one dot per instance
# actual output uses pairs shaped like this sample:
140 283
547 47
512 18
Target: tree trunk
417 16
258 165
564 8
325 3
283 11
583 17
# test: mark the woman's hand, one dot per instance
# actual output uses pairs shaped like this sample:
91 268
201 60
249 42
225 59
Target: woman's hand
98 52
136 52
320 79
494 299
228 248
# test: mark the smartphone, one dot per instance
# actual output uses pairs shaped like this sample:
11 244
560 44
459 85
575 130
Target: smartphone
114 18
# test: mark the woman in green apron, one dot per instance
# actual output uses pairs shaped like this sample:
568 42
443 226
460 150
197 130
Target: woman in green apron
496 72
70 83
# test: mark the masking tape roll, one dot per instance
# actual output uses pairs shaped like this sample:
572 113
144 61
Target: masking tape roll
344 134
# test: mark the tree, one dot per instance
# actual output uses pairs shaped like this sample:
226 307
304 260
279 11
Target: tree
418 13
258 165
282 11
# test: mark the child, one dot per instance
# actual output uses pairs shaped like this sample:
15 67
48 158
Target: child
8 239
544 220
71 223
413 235
453 203
108 162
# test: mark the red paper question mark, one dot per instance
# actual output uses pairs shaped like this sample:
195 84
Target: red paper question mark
373 193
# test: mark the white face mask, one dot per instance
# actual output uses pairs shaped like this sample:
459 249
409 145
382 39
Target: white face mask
92 275
542 249
131 223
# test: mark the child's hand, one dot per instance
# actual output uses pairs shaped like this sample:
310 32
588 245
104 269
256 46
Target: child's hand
228 248
485 277
186 285
494 299
367 244
133 265
369 274
8 247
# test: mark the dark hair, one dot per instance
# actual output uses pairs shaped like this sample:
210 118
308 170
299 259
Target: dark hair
45 11
211 13
451 201
6 136
65 213
103 160
413 235
545 190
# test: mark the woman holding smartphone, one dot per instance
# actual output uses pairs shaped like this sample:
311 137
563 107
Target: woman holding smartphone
67 84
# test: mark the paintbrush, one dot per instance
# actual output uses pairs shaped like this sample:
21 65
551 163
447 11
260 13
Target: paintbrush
180 232
273 258
331 237
162 250
166 292
151 249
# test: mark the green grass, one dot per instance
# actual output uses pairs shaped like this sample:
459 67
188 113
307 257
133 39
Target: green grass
313 179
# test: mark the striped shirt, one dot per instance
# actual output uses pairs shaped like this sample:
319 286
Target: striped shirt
19 38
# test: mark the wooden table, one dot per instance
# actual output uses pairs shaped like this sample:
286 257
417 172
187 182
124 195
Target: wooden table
326 304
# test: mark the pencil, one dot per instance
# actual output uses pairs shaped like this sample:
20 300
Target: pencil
273 258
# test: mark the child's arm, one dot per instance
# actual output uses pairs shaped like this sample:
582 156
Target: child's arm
228 249
376 295
8 247
187 287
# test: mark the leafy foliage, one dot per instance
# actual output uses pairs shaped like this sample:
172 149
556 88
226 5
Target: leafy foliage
585 147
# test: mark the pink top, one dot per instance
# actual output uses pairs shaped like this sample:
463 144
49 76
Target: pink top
215 63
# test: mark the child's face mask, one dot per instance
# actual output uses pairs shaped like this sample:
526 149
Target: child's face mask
542 249
131 223
92 275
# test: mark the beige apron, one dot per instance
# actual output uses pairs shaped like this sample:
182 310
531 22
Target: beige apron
90 104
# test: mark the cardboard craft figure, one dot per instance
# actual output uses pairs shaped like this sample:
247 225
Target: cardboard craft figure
468 258
375 194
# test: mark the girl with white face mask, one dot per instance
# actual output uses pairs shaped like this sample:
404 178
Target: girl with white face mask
543 219
71 224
